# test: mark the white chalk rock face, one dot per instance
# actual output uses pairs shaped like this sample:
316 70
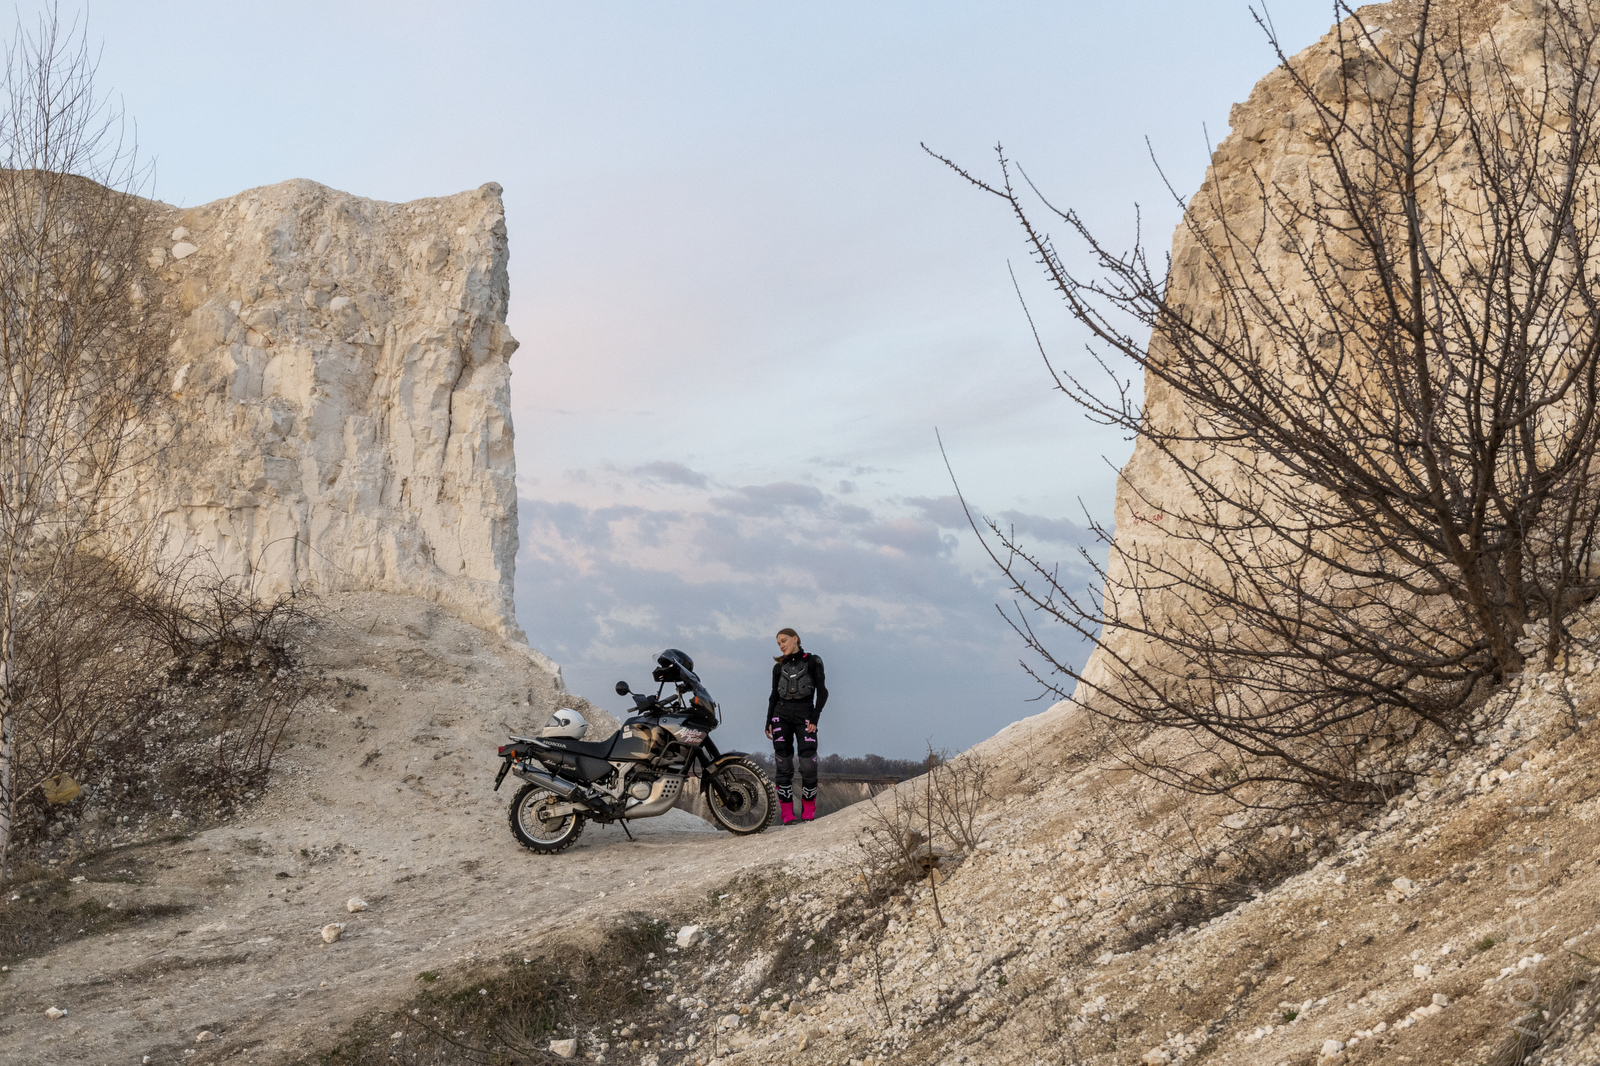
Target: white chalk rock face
341 401
1268 146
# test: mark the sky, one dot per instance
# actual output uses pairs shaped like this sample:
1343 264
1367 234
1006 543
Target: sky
747 297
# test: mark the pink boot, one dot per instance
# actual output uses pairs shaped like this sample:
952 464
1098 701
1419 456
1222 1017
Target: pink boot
808 810
787 811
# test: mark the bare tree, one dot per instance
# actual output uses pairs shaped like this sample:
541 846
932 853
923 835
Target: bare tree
1374 403
79 363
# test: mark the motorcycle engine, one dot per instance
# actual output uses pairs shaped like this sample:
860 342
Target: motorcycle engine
640 790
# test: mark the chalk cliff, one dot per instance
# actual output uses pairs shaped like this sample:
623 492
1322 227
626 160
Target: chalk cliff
1275 154
340 394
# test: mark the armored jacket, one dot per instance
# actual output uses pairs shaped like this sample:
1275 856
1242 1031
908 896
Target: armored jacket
799 688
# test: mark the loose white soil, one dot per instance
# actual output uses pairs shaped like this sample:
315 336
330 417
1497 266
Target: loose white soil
414 830
1418 933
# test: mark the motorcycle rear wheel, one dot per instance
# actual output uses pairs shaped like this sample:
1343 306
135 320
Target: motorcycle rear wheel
753 801
537 834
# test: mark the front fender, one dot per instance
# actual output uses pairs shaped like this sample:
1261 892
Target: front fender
706 777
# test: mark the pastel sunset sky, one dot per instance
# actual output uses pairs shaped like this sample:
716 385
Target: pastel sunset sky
746 297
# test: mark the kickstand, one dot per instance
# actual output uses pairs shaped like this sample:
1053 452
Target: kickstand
625 829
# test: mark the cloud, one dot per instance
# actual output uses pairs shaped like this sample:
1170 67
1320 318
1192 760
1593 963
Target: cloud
570 521
855 469
903 615
771 500
948 513
672 474
1060 530
945 510
910 536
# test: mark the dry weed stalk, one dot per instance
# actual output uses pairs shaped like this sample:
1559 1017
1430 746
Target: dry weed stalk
927 815
961 791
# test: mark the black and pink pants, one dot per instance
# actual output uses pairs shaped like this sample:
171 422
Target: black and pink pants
787 734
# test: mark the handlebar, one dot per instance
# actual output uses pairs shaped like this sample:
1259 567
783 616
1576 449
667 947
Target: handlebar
655 703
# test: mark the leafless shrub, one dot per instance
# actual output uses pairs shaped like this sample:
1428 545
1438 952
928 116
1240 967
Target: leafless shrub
877 981
78 670
81 363
1201 878
890 839
253 706
930 859
961 790
177 686
1379 424
237 647
1561 1014
900 841
193 609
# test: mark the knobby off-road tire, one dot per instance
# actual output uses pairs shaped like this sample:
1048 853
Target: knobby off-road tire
547 838
754 803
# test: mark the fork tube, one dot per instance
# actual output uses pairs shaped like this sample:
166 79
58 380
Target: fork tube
708 780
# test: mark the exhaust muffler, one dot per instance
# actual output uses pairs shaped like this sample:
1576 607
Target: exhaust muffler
564 789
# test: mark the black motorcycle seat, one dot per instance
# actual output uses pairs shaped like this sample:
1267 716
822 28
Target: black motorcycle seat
594 749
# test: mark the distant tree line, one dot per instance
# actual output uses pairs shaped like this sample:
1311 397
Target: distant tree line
861 765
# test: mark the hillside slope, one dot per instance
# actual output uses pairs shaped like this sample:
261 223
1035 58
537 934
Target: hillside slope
1074 934
385 794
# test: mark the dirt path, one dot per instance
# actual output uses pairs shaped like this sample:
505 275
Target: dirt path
386 795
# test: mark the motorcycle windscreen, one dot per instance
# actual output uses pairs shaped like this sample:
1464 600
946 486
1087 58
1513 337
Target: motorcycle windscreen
703 708
676 667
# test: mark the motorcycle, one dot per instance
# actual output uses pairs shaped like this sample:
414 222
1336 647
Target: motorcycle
638 772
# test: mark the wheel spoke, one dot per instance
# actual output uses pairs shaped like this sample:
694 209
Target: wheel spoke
536 822
747 808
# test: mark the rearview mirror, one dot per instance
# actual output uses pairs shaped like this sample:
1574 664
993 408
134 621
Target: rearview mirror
622 688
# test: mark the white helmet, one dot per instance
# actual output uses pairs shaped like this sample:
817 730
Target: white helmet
566 722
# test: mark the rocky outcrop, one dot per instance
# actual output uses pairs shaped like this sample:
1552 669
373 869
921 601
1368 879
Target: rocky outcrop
1100 924
1275 153
340 394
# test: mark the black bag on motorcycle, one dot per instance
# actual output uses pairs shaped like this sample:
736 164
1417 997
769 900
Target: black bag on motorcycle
580 766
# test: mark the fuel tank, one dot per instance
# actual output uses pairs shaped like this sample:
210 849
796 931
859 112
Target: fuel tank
639 740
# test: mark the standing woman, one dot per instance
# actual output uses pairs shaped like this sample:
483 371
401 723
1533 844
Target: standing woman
798 695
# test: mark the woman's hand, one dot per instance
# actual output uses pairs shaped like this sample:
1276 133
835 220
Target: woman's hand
811 727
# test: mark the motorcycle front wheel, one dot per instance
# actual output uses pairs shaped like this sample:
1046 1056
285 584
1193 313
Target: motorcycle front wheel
752 802
535 829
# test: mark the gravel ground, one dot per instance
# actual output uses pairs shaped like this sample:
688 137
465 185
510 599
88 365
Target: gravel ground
385 795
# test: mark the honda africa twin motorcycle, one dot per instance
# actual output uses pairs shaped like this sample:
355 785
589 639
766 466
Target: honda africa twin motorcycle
638 772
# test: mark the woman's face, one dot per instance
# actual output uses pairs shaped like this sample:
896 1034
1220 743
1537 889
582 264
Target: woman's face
787 644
